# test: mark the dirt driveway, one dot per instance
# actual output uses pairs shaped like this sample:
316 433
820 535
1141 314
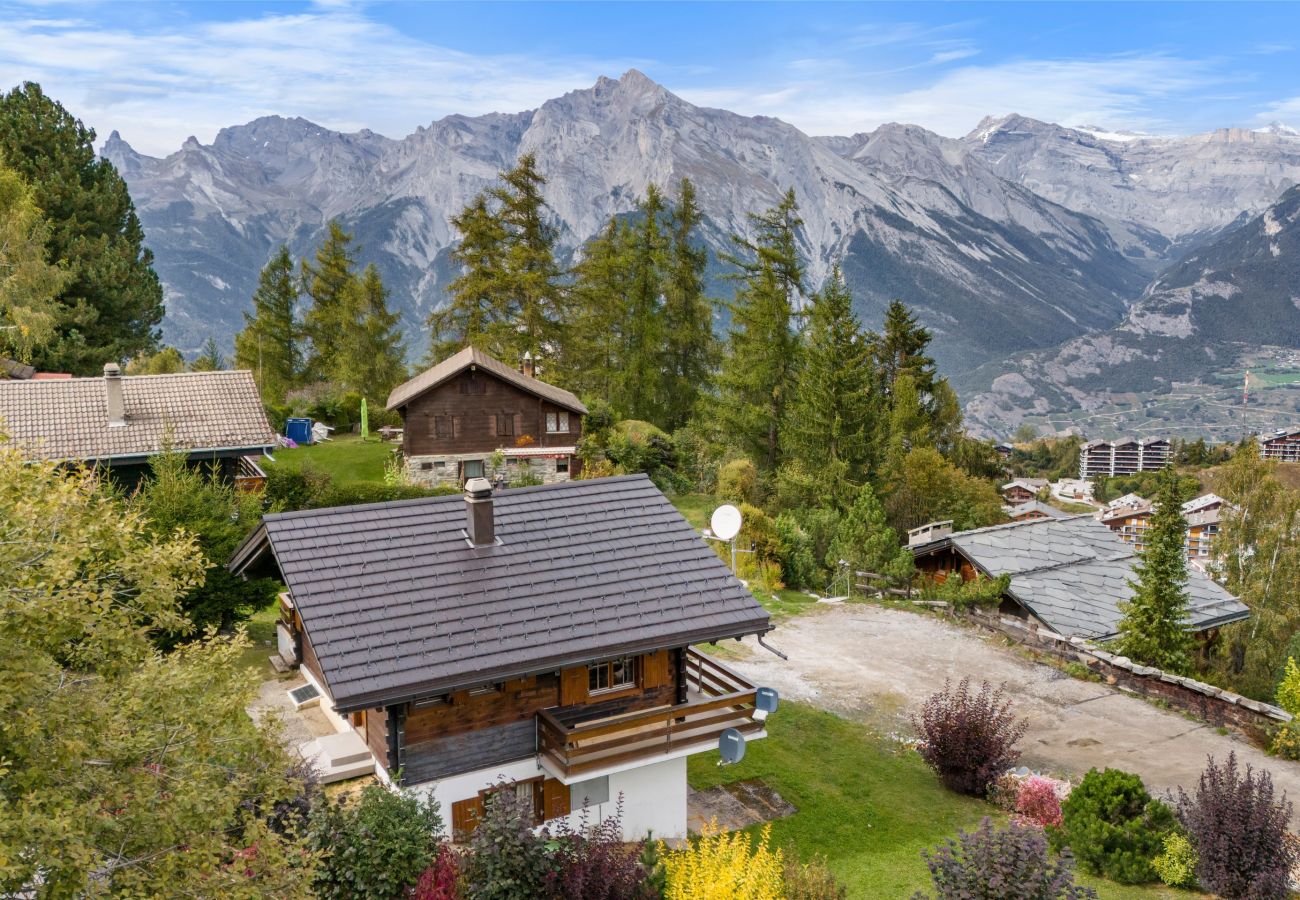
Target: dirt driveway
877 665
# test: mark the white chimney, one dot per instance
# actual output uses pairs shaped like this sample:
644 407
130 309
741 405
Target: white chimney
113 395
480 526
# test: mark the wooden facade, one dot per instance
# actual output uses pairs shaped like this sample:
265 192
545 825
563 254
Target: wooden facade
477 412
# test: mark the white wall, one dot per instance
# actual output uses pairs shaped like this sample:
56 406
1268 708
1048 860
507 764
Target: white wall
654 795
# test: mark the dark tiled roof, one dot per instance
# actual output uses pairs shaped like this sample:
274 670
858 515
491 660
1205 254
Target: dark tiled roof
68 418
472 356
12 368
1073 573
397 604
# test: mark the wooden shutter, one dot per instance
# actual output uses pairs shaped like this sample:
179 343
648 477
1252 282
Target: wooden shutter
654 670
455 426
465 816
555 799
492 424
518 423
573 686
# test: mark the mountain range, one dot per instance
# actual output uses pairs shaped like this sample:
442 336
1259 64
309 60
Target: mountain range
1015 239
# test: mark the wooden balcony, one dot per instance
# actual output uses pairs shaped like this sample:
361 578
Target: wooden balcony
718 699
249 476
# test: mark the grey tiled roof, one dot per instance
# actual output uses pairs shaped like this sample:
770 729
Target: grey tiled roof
1073 573
68 418
397 604
1030 506
472 356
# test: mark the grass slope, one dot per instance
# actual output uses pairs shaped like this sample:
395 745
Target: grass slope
346 459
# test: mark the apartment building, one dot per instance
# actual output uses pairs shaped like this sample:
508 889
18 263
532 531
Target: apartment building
1102 459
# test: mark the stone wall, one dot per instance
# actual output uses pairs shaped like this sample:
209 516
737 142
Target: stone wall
444 469
1205 701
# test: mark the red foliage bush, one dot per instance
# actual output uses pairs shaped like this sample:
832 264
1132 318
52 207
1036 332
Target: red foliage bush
968 738
1240 832
1038 802
438 882
595 863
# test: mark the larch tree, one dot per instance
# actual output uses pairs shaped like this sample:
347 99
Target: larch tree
325 282
690 349
371 358
111 302
595 311
755 379
1153 627
269 344
638 378
476 313
29 283
126 771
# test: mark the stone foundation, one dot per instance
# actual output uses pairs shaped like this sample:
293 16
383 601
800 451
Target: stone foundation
444 469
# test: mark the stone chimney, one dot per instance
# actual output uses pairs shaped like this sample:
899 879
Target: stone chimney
113 395
480 525
527 366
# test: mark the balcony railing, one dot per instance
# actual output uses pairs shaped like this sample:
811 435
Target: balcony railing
719 699
249 477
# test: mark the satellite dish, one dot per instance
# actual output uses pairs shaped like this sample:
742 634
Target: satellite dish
725 522
731 744
765 703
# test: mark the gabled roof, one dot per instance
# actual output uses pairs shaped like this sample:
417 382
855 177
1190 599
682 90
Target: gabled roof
1033 485
1035 506
397 605
472 356
66 419
1073 574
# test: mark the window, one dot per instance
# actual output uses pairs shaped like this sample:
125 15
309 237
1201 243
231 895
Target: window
472 468
562 465
611 676
485 690
557 422
440 464
426 466
443 426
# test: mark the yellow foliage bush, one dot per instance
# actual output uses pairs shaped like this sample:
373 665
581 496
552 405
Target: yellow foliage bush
1288 690
725 866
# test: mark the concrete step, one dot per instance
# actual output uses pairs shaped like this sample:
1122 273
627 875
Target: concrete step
280 666
338 756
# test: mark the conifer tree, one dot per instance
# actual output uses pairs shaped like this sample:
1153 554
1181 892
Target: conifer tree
690 348
865 540
594 314
832 412
112 301
476 312
211 359
754 383
638 377
29 283
900 348
269 342
325 283
370 358
1153 630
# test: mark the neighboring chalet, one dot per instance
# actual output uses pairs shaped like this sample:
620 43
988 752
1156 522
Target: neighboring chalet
461 412
1033 509
1022 490
1282 445
117 422
1069 574
1103 459
542 635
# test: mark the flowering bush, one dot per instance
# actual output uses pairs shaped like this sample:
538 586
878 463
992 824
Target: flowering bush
1113 826
725 866
1176 866
439 881
968 738
1239 830
1039 801
1009 864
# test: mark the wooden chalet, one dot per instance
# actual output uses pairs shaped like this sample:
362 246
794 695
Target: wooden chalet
542 635
1023 490
463 412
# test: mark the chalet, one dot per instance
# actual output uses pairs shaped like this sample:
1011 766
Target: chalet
1022 490
543 635
1282 445
1032 509
1130 517
1069 574
463 412
1103 459
118 422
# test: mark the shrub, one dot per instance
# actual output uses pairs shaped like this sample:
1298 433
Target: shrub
738 482
1039 801
967 738
1006 863
725 866
506 859
1286 741
812 881
439 881
1176 865
980 591
1239 830
593 863
376 846
798 564
288 490
1004 790
1288 689
1113 826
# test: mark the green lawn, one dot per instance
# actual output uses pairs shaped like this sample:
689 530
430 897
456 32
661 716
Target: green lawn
696 508
261 637
865 803
345 459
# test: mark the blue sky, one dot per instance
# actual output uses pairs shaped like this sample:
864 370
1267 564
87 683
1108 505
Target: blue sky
159 72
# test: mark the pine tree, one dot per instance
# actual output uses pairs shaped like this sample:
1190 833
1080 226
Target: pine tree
867 543
900 348
638 376
325 282
1153 629
690 348
211 359
476 312
831 418
269 342
755 379
29 284
532 277
370 358
112 302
